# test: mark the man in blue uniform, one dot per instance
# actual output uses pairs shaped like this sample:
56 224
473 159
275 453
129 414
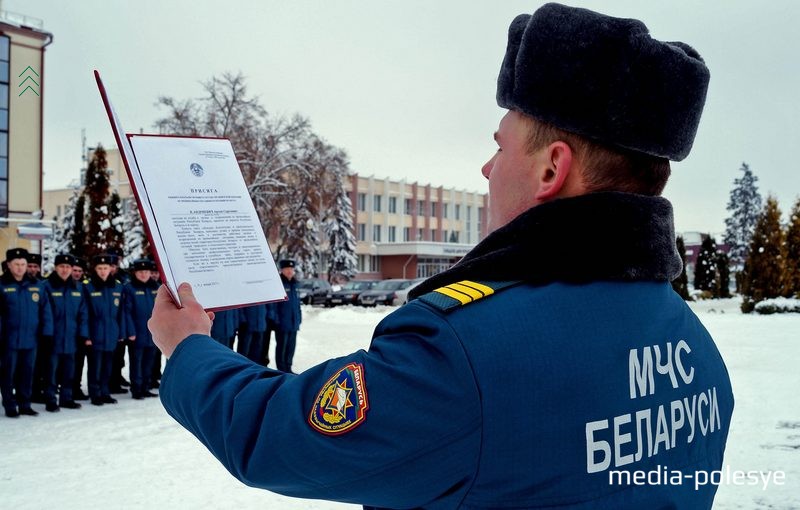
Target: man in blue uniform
139 294
24 318
535 373
106 327
224 328
70 328
288 317
79 268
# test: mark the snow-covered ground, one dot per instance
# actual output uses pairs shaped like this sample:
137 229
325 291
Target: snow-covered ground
133 456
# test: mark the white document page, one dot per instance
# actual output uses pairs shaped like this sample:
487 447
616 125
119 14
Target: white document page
206 220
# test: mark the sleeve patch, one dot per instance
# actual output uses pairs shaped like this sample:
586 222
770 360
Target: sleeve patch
341 404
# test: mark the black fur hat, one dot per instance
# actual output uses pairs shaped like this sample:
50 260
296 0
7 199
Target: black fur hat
16 253
143 265
64 258
604 78
34 258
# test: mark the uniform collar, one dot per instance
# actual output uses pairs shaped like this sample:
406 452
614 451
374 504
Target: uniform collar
57 282
595 237
7 278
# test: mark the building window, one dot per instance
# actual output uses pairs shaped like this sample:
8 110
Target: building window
5 44
433 209
392 234
445 207
433 234
362 263
458 211
478 223
444 236
420 232
454 236
430 266
420 208
376 233
362 201
362 231
376 203
393 205
407 207
374 264
407 234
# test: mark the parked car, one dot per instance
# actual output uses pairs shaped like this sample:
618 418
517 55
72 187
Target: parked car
401 296
348 294
383 293
313 291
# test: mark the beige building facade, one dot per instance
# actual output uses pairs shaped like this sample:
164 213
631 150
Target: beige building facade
22 48
403 229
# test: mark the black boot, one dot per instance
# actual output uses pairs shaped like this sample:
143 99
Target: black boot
27 411
12 413
108 399
51 407
71 404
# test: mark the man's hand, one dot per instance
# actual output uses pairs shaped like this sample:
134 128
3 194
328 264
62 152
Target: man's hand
170 325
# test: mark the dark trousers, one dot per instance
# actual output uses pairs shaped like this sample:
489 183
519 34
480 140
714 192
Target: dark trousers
118 364
100 363
81 352
17 374
155 374
259 350
60 371
245 338
141 369
285 342
41 368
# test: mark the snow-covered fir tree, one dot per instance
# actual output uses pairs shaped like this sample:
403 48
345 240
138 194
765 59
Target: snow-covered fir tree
681 283
77 237
791 279
705 268
744 206
98 219
115 236
338 228
765 264
61 241
137 245
722 280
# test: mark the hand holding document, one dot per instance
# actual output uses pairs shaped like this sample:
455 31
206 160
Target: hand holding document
199 216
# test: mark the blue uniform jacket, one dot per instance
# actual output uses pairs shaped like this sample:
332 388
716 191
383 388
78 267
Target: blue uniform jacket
138 299
225 324
488 393
70 314
255 316
287 313
454 418
24 313
106 320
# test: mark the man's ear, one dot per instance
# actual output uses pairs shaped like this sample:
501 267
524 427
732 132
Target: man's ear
556 166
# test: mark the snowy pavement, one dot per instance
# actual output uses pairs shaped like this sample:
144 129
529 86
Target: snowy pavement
133 456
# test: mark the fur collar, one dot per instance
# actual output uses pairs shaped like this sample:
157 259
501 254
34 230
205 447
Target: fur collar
594 237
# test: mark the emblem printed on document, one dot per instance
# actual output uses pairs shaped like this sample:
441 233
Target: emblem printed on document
341 404
196 169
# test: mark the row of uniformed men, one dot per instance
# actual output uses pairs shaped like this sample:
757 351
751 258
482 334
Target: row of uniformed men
48 326
253 325
58 318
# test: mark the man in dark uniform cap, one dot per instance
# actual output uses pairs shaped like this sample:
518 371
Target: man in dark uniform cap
79 268
139 295
534 373
106 327
71 328
287 316
24 318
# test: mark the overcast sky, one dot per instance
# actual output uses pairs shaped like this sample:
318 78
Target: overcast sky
407 87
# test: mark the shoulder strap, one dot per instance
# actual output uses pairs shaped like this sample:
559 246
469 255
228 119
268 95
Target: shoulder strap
458 294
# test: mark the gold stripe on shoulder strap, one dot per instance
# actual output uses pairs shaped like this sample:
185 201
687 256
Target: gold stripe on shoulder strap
478 286
469 291
458 296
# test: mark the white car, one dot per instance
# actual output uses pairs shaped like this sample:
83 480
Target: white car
401 296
